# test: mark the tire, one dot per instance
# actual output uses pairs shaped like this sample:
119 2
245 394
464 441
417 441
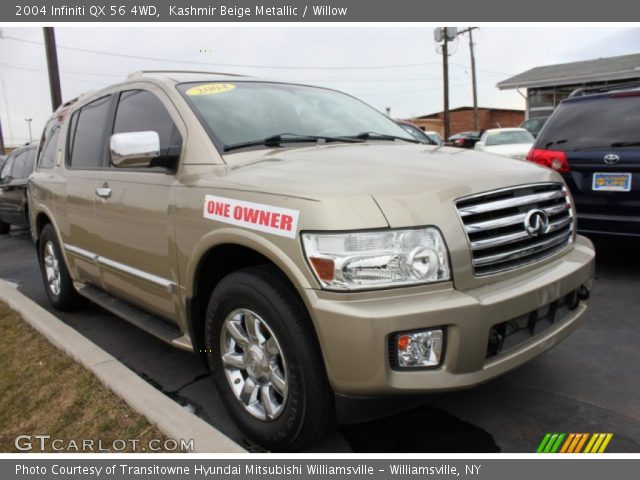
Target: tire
57 282
4 228
304 408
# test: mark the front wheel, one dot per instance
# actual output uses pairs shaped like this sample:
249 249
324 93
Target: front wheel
266 361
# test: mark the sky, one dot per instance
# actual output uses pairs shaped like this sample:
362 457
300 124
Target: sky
406 75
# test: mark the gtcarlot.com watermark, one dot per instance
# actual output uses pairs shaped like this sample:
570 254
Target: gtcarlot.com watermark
47 443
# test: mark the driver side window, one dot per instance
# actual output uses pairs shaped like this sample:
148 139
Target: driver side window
141 110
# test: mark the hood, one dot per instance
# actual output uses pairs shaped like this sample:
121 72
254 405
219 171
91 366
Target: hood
410 183
376 169
512 150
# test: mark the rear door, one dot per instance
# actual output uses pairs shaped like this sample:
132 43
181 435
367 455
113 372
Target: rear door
75 206
15 191
600 136
5 180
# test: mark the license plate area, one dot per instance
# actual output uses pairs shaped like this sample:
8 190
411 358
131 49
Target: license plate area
611 182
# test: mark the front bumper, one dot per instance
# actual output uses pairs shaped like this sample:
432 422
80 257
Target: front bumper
354 330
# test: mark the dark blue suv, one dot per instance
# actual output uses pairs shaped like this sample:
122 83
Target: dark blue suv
593 140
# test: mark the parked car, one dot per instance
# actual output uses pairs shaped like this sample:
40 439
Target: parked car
417 133
534 125
435 136
299 242
464 139
13 188
593 140
506 142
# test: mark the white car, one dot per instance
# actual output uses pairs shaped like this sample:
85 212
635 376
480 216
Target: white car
507 142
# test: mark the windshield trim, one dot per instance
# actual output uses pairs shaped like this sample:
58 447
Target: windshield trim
217 141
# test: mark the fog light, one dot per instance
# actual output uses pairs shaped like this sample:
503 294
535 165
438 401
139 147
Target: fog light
419 349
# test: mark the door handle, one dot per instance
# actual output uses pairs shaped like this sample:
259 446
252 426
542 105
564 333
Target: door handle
104 191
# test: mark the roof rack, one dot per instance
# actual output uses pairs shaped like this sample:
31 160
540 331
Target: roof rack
142 73
604 88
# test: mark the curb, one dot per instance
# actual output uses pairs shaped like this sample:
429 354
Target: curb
171 419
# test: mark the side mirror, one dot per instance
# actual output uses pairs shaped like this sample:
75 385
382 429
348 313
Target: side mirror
134 149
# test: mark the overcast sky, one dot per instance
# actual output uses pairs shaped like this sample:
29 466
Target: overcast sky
323 56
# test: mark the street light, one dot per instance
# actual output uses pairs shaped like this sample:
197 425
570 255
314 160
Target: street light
28 120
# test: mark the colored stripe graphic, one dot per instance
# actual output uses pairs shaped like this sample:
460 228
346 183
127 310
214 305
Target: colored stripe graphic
574 443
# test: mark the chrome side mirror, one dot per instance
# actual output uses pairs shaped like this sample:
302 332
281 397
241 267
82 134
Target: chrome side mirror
134 149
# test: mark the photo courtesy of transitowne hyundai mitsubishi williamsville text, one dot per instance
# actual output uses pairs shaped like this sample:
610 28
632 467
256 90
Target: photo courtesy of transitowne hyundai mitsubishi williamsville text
306 247
257 11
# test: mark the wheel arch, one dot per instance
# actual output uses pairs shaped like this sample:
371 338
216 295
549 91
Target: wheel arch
223 252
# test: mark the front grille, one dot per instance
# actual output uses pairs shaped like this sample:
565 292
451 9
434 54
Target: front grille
495 223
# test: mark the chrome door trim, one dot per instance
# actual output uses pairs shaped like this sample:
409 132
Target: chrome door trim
168 285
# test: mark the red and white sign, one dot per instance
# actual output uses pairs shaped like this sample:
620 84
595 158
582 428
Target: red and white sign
256 216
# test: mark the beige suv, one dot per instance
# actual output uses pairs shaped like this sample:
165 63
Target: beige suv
303 244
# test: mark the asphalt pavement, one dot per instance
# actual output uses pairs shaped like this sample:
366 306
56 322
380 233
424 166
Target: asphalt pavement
588 383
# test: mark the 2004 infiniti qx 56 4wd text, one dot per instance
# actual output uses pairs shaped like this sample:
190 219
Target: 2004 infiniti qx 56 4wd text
303 244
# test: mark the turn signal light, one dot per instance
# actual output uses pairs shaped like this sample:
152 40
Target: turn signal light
554 159
324 268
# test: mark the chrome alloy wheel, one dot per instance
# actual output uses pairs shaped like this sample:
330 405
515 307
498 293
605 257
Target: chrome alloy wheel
254 364
52 268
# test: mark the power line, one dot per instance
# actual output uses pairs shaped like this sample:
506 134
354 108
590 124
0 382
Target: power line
216 64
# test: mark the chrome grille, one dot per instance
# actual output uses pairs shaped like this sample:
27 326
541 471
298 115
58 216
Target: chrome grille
495 225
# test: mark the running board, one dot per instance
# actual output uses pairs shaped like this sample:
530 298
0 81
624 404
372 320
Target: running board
149 323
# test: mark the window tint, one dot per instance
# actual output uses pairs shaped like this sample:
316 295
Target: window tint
48 152
600 123
88 134
139 111
23 165
6 170
48 144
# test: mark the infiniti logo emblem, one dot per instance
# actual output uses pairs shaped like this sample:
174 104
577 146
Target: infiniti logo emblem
536 223
611 159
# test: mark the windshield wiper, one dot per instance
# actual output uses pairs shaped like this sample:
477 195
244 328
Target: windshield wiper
555 142
626 144
277 140
606 147
382 136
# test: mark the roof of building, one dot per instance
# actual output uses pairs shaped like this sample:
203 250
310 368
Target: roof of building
462 109
598 70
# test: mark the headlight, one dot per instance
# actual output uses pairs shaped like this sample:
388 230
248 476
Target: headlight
377 259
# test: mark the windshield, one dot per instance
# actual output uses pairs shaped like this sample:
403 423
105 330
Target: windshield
240 112
506 138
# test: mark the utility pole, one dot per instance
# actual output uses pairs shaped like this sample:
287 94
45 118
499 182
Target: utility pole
445 76
476 120
28 120
1 140
445 35
52 65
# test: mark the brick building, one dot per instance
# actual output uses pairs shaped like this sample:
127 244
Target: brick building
461 118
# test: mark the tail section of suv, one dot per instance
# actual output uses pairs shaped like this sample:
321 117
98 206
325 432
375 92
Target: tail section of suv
13 188
593 140
304 245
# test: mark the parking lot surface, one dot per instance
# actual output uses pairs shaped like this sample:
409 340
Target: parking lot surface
588 383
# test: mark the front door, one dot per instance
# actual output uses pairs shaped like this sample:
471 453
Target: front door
134 216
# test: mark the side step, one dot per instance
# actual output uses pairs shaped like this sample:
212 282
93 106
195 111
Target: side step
147 322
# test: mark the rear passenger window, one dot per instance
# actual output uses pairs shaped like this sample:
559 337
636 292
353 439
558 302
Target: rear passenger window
140 111
23 165
48 150
87 134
